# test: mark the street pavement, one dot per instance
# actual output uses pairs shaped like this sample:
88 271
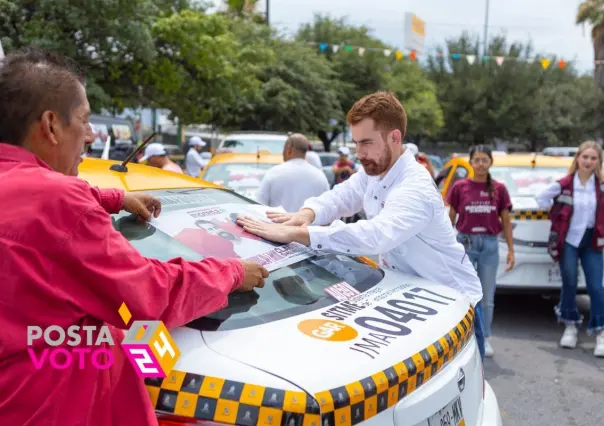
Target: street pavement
537 383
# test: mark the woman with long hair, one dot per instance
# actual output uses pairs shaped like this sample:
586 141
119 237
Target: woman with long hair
483 206
577 233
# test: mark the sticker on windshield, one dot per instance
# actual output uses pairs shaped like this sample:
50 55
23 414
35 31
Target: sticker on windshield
342 291
212 231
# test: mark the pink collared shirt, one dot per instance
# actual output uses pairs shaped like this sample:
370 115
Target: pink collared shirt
62 263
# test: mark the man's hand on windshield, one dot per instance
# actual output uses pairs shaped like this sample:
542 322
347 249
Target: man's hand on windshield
144 205
254 276
304 217
279 233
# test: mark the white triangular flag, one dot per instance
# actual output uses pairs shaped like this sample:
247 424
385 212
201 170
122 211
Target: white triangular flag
387 52
335 48
361 51
471 59
499 60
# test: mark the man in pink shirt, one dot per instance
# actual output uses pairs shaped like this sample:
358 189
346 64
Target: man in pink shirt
63 263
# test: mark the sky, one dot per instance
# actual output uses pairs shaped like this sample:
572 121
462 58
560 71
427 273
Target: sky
548 24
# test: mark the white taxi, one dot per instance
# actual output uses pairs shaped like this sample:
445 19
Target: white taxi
524 175
329 341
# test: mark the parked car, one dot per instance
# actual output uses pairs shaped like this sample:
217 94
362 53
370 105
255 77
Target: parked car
252 142
242 173
524 175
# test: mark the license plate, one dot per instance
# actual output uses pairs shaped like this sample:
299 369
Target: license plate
450 415
554 274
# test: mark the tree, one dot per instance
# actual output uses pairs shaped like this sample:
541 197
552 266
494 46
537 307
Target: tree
356 75
359 73
296 94
201 69
111 39
592 12
517 100
418 95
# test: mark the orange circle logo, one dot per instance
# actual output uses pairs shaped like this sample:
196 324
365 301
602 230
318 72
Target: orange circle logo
332 331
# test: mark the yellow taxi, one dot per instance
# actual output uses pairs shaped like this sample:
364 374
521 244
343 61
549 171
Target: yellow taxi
255 361
524 175
241 172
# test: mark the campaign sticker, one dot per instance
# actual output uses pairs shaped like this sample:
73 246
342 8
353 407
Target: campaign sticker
342 291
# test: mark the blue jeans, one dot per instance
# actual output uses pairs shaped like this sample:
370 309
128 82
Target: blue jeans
592 263
483 252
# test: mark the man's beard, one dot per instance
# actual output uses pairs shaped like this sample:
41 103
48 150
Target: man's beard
373 168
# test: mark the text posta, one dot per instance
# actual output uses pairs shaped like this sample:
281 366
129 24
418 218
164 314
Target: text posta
59 357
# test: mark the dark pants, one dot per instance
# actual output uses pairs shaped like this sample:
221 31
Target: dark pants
592 262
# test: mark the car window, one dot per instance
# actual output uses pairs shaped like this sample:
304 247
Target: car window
254 145
290 290
527 181
237 176
328 160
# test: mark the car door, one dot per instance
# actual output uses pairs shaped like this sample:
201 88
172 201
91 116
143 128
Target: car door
456 169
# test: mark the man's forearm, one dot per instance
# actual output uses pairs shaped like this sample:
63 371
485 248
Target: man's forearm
301 235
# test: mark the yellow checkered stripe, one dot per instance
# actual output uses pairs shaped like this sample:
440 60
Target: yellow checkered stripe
230 402
530 215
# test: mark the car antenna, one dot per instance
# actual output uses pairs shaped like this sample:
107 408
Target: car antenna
534 160
122 167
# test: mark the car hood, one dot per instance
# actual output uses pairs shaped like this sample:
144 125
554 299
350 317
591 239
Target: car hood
355 339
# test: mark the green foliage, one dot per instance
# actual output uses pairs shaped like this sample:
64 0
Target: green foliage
201 70
517 100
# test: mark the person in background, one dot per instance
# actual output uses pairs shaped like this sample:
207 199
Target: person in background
344 167
64 263
289 184
194 161
407 224
577 232
421 158
313 158
157 156
480 208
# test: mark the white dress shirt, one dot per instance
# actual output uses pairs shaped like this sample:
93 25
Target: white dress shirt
289 184
195 163
408 226
584 206
314 159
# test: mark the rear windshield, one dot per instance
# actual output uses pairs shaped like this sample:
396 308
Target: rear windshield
526 181
291 289
254 145
237 176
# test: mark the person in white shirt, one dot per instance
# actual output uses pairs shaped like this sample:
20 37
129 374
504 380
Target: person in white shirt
157 156
194 161
289 184
313 158
407 222
577 232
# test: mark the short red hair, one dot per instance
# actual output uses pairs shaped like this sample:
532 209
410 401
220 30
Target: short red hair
384 109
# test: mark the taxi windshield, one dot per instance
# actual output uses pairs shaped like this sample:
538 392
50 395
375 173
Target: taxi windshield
527 181
298 285
237 175
251 146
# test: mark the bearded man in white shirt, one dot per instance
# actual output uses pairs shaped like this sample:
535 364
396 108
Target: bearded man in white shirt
407 222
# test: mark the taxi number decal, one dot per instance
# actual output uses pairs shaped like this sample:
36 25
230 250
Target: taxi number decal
389 324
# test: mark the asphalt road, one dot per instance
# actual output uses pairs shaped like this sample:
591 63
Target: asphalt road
537 383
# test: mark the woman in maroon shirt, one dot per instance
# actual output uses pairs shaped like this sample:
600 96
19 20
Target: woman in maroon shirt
483 206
